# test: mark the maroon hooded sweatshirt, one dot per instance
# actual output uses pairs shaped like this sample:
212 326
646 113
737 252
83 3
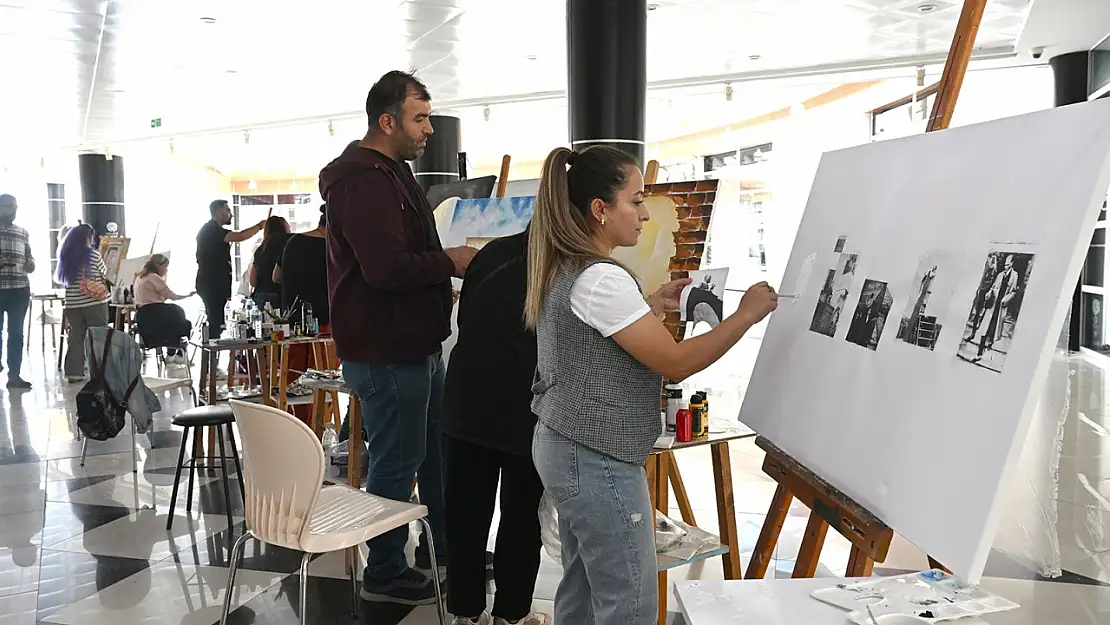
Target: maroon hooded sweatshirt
389 281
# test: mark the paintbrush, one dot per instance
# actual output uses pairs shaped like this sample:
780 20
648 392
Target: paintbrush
781 295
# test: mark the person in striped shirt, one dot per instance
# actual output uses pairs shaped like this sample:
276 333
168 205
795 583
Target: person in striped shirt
82 271
15 288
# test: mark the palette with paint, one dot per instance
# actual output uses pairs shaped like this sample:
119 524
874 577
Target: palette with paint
926 597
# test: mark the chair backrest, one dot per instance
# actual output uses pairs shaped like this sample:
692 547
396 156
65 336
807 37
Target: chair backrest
283 470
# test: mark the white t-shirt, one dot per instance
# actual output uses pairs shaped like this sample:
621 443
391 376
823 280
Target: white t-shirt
607 298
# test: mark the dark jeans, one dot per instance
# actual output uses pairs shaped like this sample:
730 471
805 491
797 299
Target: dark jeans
13 305
471 472
214 309
402 406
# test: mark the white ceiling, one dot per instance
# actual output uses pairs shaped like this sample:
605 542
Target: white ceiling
93 72
1061 26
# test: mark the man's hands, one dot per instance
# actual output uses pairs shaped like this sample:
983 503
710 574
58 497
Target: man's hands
461 256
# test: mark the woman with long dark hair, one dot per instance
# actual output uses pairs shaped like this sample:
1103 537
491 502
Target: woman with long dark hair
161 323
82 272
274 236
602 354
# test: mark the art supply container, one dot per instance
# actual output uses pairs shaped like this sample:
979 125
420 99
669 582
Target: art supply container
682 425
697 415
673 394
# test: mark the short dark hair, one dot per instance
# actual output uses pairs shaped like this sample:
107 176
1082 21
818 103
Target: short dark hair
323 216
216 205
389 93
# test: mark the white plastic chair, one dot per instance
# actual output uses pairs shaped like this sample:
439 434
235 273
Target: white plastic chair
288 505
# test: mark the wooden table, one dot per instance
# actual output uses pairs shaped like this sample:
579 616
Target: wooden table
323 352
662 471
788 601
125 313
45 300
209 364
321 389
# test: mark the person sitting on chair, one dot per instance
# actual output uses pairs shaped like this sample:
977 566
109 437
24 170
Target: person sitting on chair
161 323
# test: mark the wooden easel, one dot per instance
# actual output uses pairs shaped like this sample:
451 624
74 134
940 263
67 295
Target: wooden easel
869 536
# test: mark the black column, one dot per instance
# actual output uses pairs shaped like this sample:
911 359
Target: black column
56 218
102 192
1069 74
440 163
607 73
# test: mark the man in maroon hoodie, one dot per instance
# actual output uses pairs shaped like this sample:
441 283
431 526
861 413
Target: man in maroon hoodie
389 283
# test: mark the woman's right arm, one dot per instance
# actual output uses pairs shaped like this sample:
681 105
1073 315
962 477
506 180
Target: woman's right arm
649 341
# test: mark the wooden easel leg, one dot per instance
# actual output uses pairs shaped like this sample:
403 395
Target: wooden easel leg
680 491
769 535
934 564
354 445
809 553
859 565
662 504
726 510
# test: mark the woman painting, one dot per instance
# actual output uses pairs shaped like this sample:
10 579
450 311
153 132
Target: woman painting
81 271
160 322
274 235
602 354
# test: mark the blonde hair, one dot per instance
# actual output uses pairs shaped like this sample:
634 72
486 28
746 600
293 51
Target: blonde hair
153 263
563 228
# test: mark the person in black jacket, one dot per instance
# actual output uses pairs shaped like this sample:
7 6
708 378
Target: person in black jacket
487 427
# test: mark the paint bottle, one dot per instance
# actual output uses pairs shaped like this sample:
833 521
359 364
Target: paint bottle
705 409
673 393
697 415
683 419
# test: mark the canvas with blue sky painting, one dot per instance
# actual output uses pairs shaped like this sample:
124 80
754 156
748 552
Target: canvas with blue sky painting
480 219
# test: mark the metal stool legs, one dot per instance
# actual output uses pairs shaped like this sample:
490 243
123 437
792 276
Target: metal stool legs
177 477
223 478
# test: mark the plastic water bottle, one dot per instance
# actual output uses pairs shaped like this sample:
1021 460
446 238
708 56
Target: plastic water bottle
329 441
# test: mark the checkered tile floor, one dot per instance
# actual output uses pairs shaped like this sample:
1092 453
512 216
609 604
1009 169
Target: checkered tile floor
89 546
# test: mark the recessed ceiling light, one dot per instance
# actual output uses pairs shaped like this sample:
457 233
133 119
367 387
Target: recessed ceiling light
926 8
754 57
231 71
531 57
652 6
208 20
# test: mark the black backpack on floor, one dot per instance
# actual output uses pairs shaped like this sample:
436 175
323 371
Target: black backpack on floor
99 416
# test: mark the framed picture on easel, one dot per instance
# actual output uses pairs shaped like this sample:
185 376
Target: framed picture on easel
113 250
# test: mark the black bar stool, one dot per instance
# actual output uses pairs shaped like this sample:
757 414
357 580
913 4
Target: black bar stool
218 416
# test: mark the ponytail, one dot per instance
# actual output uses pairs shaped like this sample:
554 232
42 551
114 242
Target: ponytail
562 229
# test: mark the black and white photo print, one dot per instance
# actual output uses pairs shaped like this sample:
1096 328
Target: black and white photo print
995 310
704 298
840 241
870 317
929 300
833 295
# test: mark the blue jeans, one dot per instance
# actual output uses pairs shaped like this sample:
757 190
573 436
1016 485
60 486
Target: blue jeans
607 530
13 305
402 407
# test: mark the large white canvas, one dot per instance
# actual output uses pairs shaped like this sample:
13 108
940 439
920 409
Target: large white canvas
919 437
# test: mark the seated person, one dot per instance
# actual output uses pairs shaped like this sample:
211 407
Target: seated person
161 324
301 272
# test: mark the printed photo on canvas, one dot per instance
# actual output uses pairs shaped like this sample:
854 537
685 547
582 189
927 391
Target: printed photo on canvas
931 295
833 295
995 310
870 316
840 241
703 300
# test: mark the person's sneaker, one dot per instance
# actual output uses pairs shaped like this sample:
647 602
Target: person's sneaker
484 619
409 588
423 564
19 383
535 618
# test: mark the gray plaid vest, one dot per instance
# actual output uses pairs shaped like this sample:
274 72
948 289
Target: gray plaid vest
587 387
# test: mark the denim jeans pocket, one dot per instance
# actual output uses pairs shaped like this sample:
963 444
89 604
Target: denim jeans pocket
556 459
359 378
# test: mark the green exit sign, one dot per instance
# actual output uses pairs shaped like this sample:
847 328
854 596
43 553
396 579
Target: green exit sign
156 123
